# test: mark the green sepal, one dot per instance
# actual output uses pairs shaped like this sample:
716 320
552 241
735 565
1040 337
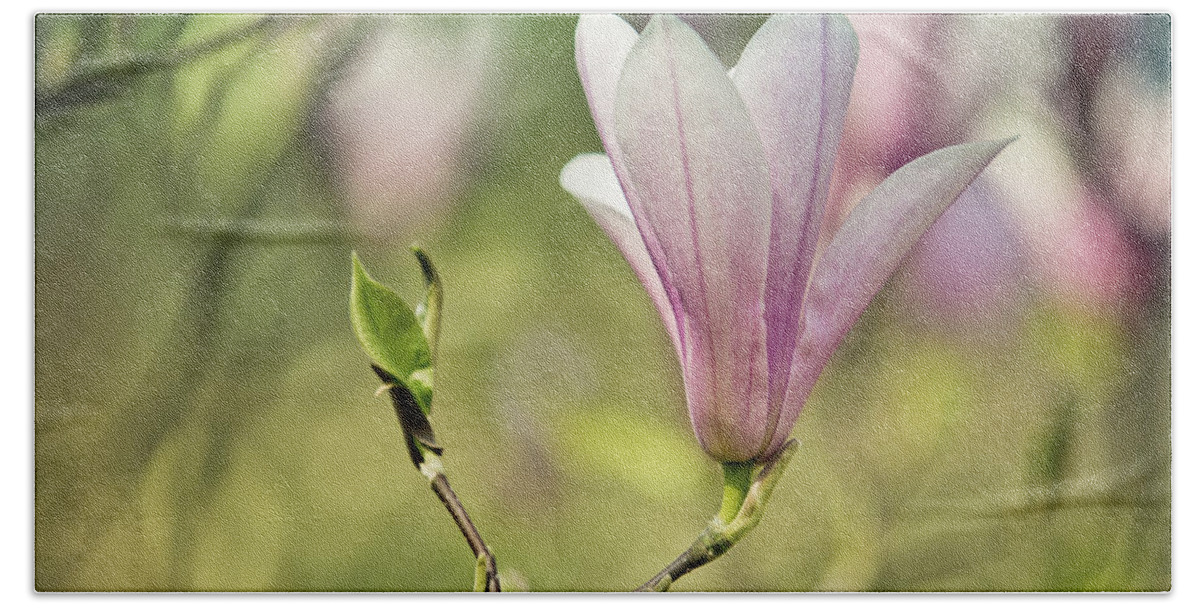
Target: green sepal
391 335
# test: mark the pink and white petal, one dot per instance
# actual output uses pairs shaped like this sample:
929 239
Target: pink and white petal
795 76
591 180
602 42
865 252
702 201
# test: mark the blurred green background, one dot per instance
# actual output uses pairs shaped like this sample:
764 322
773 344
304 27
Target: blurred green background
205 419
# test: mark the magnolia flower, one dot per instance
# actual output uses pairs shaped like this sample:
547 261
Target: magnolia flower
713 188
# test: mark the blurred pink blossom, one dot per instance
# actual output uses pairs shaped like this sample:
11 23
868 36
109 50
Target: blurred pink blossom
1114 99
971 266
401 120
1133 136
1087 203
1093 262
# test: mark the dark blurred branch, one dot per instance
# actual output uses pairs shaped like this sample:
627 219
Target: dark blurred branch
171 384
193 344
257 231
1138 425
1093 54
99 82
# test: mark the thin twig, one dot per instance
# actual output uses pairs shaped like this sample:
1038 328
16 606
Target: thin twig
441 486
426 456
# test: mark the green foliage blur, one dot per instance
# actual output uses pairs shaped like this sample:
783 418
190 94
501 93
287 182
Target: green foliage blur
205 419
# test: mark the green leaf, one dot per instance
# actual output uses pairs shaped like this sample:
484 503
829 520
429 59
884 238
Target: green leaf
390 334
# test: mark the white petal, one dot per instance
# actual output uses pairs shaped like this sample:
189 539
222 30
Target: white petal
602 43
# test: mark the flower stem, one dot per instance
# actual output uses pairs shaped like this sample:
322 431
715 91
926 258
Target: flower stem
721 535
738 476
